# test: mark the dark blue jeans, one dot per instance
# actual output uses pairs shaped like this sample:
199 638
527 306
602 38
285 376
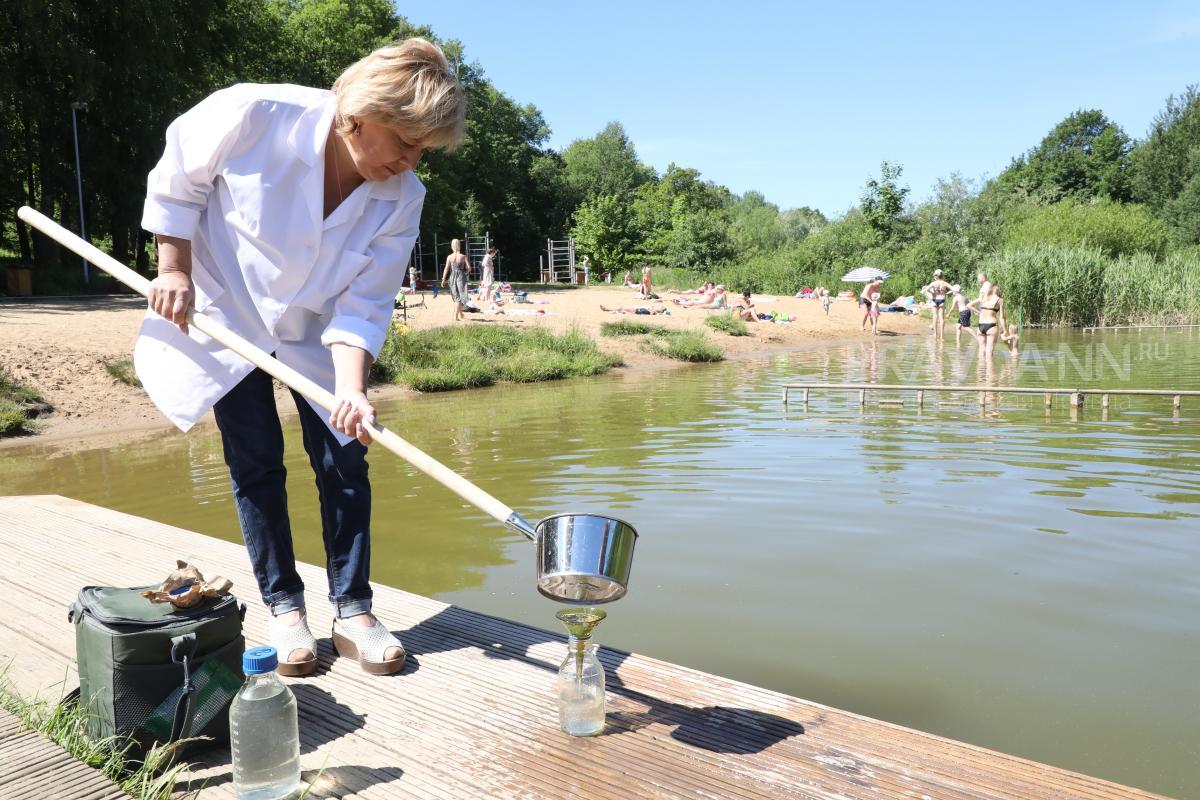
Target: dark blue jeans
253 442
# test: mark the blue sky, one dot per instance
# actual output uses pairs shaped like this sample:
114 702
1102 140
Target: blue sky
802 101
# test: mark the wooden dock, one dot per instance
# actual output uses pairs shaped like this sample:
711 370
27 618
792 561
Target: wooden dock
473 715
33 766
1075 396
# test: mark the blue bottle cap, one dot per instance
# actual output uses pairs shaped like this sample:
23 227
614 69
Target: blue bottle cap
258 660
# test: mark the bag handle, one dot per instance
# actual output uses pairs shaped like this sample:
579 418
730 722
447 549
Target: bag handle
184 709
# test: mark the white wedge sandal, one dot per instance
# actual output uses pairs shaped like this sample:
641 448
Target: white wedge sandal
286 639
367 646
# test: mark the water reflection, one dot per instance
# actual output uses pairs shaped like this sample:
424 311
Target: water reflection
998 573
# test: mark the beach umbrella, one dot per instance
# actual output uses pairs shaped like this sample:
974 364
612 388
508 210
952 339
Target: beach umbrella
865 275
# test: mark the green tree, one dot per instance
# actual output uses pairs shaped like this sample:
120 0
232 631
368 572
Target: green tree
605 164
604 228
1084 156
1164 168
798 223
755 225
882 203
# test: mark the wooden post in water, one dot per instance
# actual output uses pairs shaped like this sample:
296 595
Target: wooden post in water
1049 397
862 397
920 398
1175 404
1076 400
1104 402
806 395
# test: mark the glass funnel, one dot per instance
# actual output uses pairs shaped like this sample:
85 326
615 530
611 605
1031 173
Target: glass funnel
581 676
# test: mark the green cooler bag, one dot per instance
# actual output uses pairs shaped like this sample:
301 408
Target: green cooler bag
153 672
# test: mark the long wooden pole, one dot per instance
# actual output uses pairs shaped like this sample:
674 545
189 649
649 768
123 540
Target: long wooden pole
276 368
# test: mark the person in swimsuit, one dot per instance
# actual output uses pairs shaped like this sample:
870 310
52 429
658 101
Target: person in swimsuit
873 313
647 289
960 305
634 310
456 274
825 300
716 299
745 309
937 291
991 319
864 300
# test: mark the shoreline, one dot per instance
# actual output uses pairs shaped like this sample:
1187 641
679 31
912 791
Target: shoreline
60 346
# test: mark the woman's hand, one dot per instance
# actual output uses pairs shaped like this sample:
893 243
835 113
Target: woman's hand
171 295
352 409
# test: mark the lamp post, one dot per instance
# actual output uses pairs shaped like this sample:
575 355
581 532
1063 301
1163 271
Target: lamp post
78 106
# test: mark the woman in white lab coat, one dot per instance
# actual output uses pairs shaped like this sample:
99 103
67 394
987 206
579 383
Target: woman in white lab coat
288 214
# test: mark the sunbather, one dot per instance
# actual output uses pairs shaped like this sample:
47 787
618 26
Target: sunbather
634 310
715 300
745 309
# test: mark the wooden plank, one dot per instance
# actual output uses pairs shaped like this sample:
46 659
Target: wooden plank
32 766
474 714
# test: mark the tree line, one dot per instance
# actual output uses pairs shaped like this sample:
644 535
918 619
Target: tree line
1087 204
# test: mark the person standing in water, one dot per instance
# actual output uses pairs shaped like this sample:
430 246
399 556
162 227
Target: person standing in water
937 291
455 274
991 319
961 306
288 214
864 300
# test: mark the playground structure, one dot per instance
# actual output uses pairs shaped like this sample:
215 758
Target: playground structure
559 265
425 264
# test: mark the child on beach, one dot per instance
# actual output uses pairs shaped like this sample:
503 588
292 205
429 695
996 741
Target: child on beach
825 300
873 313
1012 337
960 304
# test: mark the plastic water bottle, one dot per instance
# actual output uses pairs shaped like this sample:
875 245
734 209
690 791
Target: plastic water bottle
263 733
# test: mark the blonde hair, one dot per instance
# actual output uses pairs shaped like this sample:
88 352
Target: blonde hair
455 245
409 86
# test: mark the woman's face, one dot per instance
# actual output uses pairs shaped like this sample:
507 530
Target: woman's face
379 152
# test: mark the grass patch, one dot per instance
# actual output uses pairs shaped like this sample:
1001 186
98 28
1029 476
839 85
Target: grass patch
629 327
470 356
121 371
66 725
14 397
685 346
727 324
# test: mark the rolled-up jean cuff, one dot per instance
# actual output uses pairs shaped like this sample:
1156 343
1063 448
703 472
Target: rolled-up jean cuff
351 607
283 602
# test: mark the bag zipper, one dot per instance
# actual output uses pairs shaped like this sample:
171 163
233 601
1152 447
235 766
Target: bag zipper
179 615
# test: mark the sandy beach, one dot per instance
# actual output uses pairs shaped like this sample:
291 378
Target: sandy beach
61 346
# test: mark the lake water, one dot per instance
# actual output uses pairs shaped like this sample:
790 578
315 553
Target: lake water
1007 577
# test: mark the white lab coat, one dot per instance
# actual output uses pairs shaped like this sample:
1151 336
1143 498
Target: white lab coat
242 178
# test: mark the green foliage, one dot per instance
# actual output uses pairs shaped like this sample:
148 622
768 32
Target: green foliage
470 356
1084 156
882 204
12 418
153 778
606 164
631 327
685 346
1115 228
604 229
727 324
121 370
1166 161
1056 285
16 392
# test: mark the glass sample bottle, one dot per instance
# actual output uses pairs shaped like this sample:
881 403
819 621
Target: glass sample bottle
264 738
581 677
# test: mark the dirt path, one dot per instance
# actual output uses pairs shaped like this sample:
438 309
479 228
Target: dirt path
61 346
